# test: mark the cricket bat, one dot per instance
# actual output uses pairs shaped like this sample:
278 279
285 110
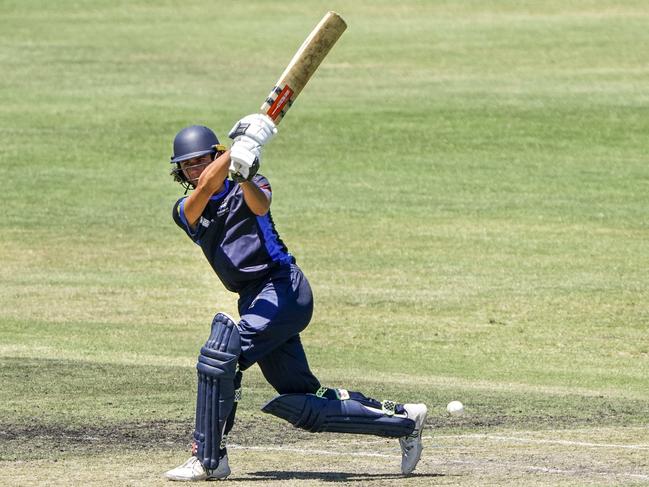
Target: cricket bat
304 63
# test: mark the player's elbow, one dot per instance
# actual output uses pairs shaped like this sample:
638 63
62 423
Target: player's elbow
260 211
260 206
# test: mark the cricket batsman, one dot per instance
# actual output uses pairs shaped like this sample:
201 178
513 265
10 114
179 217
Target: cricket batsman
227 214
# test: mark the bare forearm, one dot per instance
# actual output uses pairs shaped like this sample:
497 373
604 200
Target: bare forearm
257 200
208 183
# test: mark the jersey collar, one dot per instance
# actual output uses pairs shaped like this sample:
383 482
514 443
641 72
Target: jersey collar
222 193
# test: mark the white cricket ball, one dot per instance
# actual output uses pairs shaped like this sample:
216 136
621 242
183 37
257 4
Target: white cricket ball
455 408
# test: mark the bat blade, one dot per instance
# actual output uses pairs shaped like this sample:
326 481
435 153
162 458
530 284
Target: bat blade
304 63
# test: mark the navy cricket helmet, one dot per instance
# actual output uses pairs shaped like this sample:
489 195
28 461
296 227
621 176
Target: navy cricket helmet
190 142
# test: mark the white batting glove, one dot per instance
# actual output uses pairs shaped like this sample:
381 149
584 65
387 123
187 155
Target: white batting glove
258 127
245 157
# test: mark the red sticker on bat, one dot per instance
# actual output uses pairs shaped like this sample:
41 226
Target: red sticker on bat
281 100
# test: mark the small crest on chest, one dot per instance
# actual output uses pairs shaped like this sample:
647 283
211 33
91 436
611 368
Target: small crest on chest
222 209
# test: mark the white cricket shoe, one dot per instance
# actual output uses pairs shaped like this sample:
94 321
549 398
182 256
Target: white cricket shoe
411 445
193 470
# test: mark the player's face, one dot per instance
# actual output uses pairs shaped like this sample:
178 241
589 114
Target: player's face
194 167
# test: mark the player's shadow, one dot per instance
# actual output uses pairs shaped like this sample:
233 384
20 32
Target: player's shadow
331 476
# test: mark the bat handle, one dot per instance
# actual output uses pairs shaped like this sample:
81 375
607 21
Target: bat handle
278 102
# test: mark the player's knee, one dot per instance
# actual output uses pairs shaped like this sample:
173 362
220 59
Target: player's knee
220 354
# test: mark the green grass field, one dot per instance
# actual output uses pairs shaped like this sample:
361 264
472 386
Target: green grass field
464 183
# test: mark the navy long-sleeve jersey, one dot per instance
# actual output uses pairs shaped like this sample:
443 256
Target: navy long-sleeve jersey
241 247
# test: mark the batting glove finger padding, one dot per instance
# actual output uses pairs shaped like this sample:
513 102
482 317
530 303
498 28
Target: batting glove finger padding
245 151
245 157
240 174
258 127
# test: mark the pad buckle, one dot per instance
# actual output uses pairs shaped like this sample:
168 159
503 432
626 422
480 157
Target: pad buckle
389 407
341 394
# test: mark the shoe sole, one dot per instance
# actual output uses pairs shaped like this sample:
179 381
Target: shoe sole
185 479
181 479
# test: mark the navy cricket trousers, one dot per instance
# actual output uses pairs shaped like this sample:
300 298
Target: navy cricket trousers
272 317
